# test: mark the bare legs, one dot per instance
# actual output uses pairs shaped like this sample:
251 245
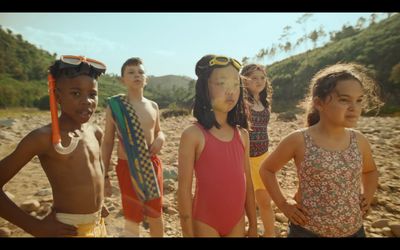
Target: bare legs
263 201
131 228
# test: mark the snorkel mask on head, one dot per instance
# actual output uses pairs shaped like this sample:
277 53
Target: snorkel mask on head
70 66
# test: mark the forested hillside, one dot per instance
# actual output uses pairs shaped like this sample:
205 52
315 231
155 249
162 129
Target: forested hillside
377 47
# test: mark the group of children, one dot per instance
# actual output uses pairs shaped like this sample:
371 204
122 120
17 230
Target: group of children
226 149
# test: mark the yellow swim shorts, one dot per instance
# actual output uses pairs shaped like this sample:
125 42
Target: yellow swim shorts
255 164
89 225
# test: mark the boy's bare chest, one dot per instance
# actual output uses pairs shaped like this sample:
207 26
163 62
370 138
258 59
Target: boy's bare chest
146 114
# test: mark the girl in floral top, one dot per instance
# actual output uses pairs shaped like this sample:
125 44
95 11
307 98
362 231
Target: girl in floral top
336 171
259 91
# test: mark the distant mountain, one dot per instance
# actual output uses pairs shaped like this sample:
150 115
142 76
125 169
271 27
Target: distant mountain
168 81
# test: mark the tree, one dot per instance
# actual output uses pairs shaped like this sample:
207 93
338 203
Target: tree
360 23
245 60
395 74
314 37
272 51
372 18
286 46
303 21
260 55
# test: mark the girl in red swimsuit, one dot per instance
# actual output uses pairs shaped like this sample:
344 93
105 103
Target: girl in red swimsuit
216 150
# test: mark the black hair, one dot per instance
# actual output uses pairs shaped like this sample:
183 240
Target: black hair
202 109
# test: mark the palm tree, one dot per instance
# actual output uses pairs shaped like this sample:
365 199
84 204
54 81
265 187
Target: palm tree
261 54
360 23
245 60
372 18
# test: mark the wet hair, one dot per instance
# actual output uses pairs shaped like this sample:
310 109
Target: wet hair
266 94
133 61
60 69
202 109
324 82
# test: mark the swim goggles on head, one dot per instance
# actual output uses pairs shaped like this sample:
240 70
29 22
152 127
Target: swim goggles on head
77 60
223 61
75 65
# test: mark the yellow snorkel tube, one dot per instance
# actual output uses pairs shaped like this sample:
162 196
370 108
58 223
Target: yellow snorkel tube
55 128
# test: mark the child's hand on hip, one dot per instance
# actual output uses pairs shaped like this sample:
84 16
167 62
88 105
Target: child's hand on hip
295 213
365 205
50 226
155 147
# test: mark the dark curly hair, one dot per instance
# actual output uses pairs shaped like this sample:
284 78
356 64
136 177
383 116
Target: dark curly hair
325 81
202 109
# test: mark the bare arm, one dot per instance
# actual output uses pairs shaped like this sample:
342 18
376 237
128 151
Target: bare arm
159 137
35 143
186 160
284 152
250 198
108 140
99 136
369 174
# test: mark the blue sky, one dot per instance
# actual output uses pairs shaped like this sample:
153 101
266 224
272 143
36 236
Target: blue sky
168 43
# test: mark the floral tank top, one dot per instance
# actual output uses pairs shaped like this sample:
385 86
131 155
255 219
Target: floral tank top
330 188
259 135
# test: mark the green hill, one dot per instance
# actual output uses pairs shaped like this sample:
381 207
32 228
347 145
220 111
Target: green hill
168 81
377 47
23 78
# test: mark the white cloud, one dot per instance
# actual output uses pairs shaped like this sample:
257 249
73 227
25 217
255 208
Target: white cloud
84 43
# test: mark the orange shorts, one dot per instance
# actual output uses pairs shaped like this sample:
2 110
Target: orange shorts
131 205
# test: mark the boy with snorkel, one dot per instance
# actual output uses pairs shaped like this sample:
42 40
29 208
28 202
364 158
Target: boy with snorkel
69 152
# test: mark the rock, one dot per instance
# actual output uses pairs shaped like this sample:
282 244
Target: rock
9 195
169 186
115 190
170 173
392 208
395 228
374 201
387 232
169 210
6 123
281 217
30 206
286 116
375 235
384 187
380 223
5 232
44 192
